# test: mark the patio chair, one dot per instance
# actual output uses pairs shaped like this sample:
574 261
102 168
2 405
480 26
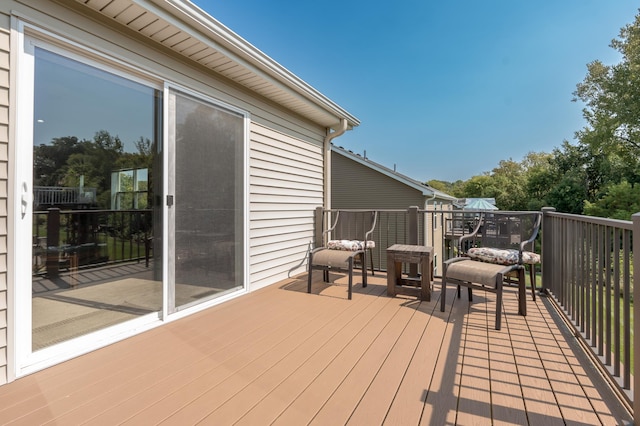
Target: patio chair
346 241
493 256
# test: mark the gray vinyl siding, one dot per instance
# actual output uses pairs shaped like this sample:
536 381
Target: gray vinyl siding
356 186
4 164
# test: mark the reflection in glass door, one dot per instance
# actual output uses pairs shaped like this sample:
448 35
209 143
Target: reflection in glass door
96 257
206 179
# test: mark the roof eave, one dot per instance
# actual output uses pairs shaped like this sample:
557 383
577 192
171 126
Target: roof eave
248 55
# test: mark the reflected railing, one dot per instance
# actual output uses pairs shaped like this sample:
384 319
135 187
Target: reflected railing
87 238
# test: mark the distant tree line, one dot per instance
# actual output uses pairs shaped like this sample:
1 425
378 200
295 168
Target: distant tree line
599 175
66 159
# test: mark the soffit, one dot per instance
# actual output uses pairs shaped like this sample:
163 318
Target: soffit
184 28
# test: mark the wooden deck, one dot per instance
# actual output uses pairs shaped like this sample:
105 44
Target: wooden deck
282 356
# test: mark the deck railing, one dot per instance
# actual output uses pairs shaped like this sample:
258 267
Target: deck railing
587 269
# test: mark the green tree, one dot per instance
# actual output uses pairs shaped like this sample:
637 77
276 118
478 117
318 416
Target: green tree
611 94
481 186
538 179
509 178
49 160
619 201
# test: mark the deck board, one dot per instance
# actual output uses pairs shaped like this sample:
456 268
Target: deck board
282 356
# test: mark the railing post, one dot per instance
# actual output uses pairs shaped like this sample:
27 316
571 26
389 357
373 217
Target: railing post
53 242
546 264
412 237
317 227
636 314
412 229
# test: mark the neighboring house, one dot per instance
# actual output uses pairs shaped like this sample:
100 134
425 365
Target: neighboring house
359 183
233 146
478 203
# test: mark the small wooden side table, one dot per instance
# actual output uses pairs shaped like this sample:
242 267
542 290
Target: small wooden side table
398 254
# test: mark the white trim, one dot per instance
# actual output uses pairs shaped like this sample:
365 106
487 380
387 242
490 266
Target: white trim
23 132
65 46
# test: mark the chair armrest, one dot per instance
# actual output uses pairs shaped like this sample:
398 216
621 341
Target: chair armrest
367 235
472 235
534 234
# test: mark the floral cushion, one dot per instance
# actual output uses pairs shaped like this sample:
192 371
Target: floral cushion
350 245
502 256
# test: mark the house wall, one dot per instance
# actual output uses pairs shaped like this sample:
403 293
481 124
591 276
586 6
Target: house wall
285 159
356 186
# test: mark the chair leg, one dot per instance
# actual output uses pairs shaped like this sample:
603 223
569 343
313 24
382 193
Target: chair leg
364 268
499 279
364 272
532 276
310 273
443 292
522 292
371 261
351 276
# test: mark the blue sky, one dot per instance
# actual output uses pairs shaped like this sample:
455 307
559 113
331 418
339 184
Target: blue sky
444 90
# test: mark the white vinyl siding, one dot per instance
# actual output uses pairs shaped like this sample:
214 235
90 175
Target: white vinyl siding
4 166
285 186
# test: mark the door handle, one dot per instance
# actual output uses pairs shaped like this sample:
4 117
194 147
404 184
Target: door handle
24 199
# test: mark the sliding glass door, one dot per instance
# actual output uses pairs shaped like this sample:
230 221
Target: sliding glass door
206 187
94 223
132 208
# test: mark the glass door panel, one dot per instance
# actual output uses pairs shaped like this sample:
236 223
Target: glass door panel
208 184
96 259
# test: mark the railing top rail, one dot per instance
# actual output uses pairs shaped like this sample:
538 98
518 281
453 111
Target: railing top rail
499 212
616 223
95 211
365 210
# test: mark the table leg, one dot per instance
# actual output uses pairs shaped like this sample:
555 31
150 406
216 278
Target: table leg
391 276
425 278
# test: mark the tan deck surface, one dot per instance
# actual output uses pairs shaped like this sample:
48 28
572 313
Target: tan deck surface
282 356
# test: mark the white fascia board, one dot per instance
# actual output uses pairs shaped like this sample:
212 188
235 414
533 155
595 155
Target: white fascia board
181 12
